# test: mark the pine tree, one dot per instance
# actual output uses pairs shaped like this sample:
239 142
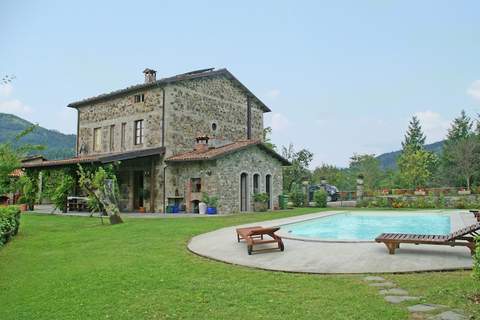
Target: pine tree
460 137
461 128
414 139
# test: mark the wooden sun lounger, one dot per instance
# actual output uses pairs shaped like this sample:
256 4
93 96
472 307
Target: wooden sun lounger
476 213
463 237
254 235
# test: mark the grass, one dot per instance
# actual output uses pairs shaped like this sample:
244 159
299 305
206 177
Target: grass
75 268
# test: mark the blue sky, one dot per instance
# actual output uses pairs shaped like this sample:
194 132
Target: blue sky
341 77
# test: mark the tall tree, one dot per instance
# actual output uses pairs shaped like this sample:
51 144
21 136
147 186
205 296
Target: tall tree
267 140
461 128
416 168
414 138
451 162
368 166
339 177
298 171
465 159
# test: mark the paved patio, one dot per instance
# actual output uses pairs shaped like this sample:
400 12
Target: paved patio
333 257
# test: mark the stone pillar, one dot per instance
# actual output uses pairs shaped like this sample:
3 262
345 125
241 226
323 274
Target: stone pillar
305 201
360 187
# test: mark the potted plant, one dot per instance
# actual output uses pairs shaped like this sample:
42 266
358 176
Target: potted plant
261 202
464 192
23 203
211 202
29 192
420 192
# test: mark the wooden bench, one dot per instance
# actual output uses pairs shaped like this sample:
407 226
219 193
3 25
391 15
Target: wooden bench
255 235
463 237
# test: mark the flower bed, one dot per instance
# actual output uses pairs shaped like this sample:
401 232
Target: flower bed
9 223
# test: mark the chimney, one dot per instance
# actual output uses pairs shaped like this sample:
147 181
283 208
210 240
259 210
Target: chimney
150 75
201 143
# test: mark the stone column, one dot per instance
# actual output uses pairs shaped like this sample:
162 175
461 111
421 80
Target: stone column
360 187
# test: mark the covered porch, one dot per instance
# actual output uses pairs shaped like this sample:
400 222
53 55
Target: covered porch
137 173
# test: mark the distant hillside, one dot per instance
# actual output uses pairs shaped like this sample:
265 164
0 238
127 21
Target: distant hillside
389 160
58 145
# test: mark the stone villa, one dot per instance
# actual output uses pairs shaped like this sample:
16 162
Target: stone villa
177 138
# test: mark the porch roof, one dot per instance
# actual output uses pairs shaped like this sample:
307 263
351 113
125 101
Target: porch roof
105 158
214 153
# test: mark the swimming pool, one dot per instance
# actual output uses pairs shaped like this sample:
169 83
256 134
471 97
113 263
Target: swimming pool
366 226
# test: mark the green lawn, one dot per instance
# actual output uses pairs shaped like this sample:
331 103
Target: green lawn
75 268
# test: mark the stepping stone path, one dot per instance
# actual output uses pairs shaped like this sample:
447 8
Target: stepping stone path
419 311
425 307
382 284
449 315
399 299
394 292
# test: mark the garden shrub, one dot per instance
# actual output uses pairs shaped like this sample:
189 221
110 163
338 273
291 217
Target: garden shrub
61 192
320 198
9 223
296 196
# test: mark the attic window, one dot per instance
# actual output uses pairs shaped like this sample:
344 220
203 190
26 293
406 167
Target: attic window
139 98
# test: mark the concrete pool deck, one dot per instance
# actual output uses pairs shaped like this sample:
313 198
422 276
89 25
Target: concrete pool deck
327 257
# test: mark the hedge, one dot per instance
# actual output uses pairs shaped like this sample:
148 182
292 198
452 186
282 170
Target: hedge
9 223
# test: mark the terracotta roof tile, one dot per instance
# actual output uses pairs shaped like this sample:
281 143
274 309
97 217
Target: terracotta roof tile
213 153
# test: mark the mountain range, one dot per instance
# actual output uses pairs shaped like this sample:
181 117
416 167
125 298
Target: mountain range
389 160
61 146
57 145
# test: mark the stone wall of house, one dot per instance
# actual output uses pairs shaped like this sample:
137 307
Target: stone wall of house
120 110
194 105
221 178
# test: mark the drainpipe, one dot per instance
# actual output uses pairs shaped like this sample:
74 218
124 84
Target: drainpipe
163 146
163 117
249 118
78 129
164 189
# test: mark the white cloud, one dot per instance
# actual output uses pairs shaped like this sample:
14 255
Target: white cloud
474 90
433 125
273 94
278 122
6 90
15 107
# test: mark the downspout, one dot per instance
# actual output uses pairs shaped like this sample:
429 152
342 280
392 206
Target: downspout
78 129
249 119
163 117
163 146
164 189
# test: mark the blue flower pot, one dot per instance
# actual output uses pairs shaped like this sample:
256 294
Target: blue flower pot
211 210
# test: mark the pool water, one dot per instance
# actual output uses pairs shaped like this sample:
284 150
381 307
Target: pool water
367 226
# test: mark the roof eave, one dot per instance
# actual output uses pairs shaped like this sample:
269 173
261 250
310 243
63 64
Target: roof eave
163 82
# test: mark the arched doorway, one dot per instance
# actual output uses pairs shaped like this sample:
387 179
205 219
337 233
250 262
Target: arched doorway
268 189
243 192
